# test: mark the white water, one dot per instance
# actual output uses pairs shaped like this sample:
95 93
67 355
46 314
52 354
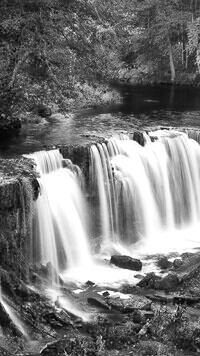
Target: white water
148 202
13 316
157 193
61 219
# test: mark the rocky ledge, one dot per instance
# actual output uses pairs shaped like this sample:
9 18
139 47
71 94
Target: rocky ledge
147 318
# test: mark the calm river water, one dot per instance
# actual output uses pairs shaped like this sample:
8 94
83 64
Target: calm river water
140 108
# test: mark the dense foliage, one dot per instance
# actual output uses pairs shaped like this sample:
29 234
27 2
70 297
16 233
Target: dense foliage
57 50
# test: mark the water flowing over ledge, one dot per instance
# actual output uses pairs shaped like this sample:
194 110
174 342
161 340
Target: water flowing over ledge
137 195
142 200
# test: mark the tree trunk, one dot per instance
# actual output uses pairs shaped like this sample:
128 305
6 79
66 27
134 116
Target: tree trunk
171 63
16 68
198 58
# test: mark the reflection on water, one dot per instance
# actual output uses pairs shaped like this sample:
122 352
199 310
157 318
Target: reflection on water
140 108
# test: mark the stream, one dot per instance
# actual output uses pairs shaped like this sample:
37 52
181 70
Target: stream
140 108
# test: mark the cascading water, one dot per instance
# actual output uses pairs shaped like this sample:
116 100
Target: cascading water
155 191
146 199
61 231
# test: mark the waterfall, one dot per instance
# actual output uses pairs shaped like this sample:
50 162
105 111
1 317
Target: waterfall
147 194
144 199
61 221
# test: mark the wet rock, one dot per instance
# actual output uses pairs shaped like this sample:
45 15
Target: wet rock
57 319
149 281
129 289
6 321
49 272
22 291
164 263
177 263
89 284
97 300
139 276
169 282
116 303
139 137
164 299
106 294
126 262
136 302
186 255
185 299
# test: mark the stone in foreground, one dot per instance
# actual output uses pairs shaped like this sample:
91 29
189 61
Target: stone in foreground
126 262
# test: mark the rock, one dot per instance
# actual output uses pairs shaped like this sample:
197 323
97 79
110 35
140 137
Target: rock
136 317
169 282
186 255
141 316
52 274
106 294
22 291
135 302
139 276
164 299
177 263
149 281
139 137
126 262
89 284
129 289
185 299
6 321
97 300
164 263
146 315
116 303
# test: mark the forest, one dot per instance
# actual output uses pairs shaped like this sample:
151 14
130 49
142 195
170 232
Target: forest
66 53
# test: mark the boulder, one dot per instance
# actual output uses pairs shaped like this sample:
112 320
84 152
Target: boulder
135 302
89 283
164 263
177 263
169 282
97 300
149 281
126 262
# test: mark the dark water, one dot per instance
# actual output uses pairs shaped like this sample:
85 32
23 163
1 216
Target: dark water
140 108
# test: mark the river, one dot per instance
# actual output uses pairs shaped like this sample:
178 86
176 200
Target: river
140 108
